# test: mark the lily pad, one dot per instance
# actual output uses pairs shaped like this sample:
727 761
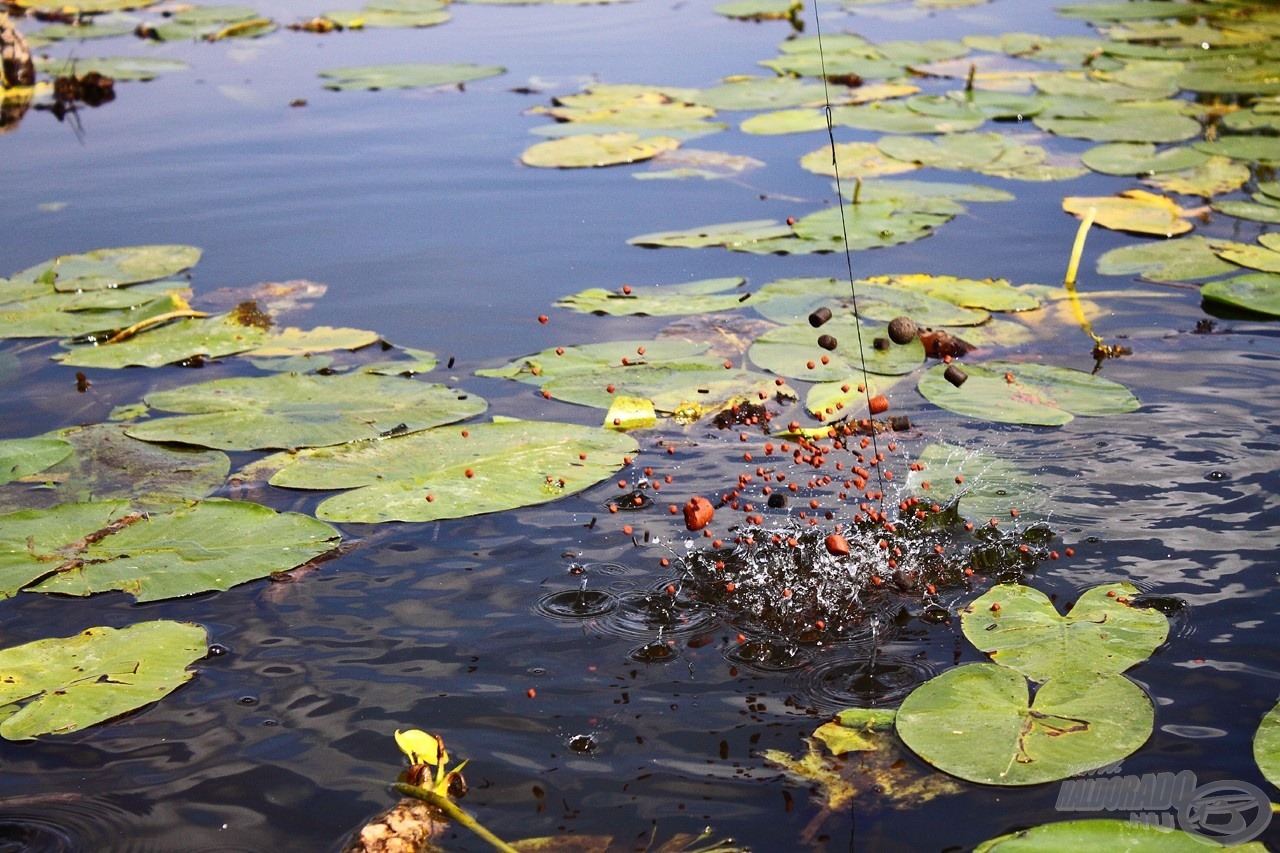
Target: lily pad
1133 210
1257 292
1217 176
979 722
52 314
1262 149
451 473
59 686
591 150
1104 633
731 235
873 224
117 68
210 337
789 299
295 410
1264 257
410 75
895 117
302 342
760 10
104 269
1184 259
854 730
1141 158
792 351
107 464
1103 833
990 294
22 456
1266 746
80 549
989 153
855 160
393 14
664 300
985 486
1032 394
905 188
768 93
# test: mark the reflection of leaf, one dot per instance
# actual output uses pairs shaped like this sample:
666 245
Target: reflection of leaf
1133 210
81 549
452 473
978 722
664 300
293 410
68 684
1034 394
1101 634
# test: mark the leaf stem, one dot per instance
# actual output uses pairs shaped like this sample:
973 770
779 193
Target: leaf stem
454 813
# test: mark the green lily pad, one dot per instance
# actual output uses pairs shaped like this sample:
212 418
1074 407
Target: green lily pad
117 68
768 93
785 121
22 456
591 150
980 723
1262 149
837 399
1184 259
664 300
1103 633
104 269
790 299
59 686
854 730
451 473
652 110
1103 833
209 337
789 350
990 294
1039 395
53 314
295 410
990 153
84 7
1075 84
904 189
732 235
1241 78
1264 257
1266 746
989 486
301 342
1263 208
1217 176
1257 292
895 117
760 10
1132 10
212 23
409 75
81 549
393 14
1141 158
874 224
855 160
107 464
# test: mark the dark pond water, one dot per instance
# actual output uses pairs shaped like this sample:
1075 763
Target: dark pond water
412 208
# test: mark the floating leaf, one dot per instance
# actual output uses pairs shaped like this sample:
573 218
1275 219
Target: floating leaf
22 456
732 235
1257 292
409 75
1262 149
856 160
630 413
393 13
59 686
789 299
855 729
296 410
694 163
291 341
989 153
760 10
51 314
1133 210
1266 746
792 351
768 93
664 300
1217 176
590 150
990 294
906 188
1104 633
1104 833
107 464
985 485
443 473
874 224
117 68
980 723
1141 158
1264 257
80 549
1263 208
1033 394
104 269
211 337
894 117
1183 259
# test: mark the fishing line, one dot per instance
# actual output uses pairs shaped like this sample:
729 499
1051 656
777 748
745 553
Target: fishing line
848 255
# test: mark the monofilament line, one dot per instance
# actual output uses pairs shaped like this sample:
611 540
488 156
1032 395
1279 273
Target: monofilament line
848 255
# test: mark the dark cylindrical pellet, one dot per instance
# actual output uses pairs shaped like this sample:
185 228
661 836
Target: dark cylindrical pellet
955 375
900 423
817 318
827 342
881 344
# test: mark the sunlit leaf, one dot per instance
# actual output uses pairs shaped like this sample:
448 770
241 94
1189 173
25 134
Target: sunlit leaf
855 729
84 7
728 234
990 294
1020 628
905 189
1033 394
1263 208
1217 176
116 67
1257 292
874 224
855 160
400 13
979 152
418 746
452 473
760 10
1076 84
407 75
630 413
210 337
790 350
111 268
664 300
897 117
297 410
787 300
293 341
1266 746
1104 833
1141 158
22 456
1264 257
1125 122
1262 149
63 685
80 549
1183 259
1133 210
695 163
590 150
980 723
